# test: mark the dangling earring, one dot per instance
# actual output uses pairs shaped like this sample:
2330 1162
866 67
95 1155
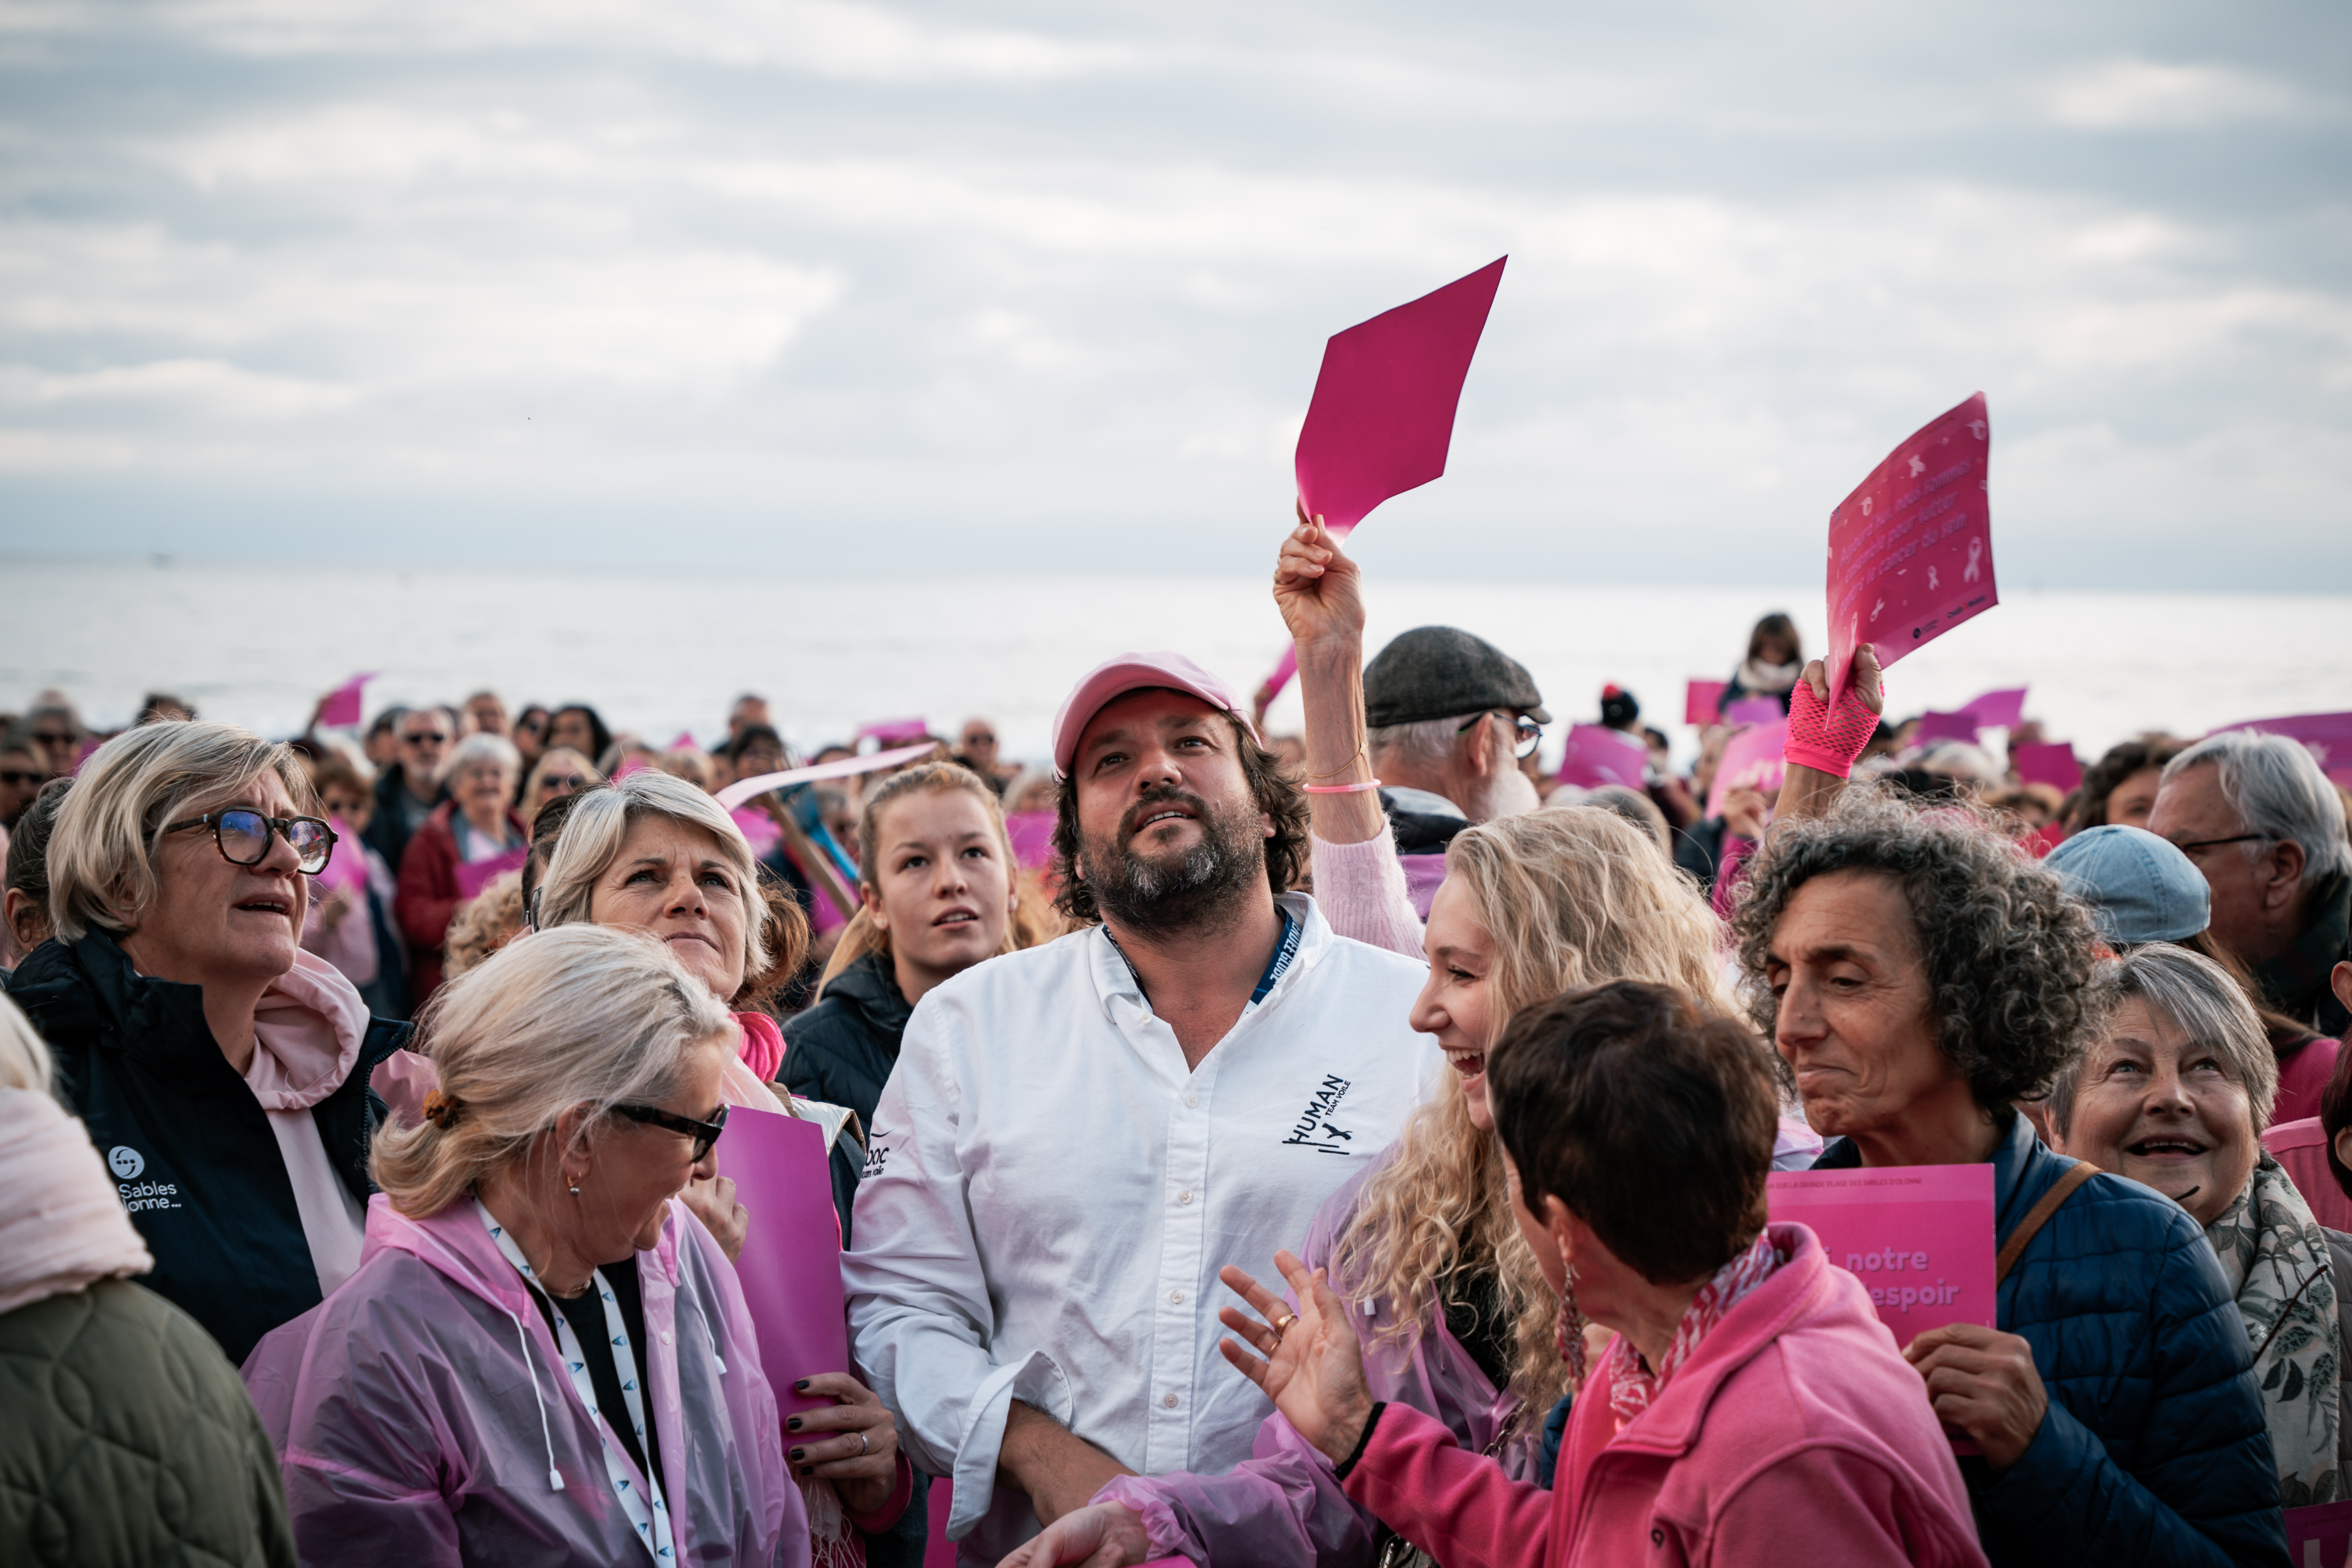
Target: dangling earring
1568 1334
575 1189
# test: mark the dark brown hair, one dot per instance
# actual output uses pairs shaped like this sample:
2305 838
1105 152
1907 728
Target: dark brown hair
1776 625
1274 792
2087 807
1649 1118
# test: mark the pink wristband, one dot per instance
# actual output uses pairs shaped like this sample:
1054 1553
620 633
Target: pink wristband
1828 739
1341 789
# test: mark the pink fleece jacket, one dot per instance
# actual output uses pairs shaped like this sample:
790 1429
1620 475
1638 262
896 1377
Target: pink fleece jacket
1794 1433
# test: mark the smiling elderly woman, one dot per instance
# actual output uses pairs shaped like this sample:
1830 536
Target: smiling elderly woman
544 1357
2175 1095
222 1070
1917 977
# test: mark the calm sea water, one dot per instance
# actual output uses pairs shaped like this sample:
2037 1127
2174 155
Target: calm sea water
661 652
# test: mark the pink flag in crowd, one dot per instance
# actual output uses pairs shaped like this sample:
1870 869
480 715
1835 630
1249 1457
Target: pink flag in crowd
1284 668
1383 414
1911 548
1921 1237
2052 764
2329 736
1597 755
684 741
1998 710
1935 726
1702 701
1753 710
1751 760
790 1266
342 704
890 730
1032 835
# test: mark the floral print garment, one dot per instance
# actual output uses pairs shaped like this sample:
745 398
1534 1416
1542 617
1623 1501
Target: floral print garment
2275 1260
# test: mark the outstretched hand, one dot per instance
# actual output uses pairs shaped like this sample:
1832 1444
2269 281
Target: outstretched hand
1315 586
1313 1368
1866 678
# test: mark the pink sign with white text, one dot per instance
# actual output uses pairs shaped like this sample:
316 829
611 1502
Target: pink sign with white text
1702 702
1919 1237
2319 1536
1597 755
1751 760
1911 548
1382 417
2328 735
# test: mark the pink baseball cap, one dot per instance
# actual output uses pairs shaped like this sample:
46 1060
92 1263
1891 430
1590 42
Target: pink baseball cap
1136 672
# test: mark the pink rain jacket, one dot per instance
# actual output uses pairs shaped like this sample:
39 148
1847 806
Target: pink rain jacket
1283 1503
418 1411
1794 1433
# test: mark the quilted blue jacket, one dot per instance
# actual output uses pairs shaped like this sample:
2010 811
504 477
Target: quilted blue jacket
2153 1449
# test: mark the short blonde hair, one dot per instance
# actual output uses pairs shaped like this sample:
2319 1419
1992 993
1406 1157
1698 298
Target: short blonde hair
599 825
586 1017
103 850
24 1054
484 923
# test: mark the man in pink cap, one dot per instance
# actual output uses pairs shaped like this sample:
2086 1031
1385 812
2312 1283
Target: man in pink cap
1076 1138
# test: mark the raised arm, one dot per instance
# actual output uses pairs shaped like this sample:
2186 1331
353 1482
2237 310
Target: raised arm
1824 742
1318 591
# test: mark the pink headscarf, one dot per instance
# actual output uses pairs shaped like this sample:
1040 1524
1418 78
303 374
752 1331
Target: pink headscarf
61 1223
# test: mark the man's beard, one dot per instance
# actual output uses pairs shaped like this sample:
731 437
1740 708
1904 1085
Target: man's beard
1200 890
1505 791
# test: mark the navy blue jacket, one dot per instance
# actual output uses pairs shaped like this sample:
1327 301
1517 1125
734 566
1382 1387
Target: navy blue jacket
2155 1449
190 1147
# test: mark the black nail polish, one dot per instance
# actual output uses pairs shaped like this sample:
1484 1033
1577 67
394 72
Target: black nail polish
801 1386
797 1454
793 1423
808 1469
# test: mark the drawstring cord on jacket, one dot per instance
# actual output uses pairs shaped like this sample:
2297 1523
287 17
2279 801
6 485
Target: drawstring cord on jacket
531 1364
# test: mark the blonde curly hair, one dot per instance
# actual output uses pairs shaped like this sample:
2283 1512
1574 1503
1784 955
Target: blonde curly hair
1569 897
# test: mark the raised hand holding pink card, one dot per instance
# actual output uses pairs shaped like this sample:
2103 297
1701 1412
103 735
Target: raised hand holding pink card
1911 548
1382 419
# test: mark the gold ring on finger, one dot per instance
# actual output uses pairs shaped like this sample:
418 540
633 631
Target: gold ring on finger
1283 1326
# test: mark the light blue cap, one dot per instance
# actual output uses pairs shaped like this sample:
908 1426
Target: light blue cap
2140 888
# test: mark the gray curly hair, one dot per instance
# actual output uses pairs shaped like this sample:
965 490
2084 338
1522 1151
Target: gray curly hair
2009 954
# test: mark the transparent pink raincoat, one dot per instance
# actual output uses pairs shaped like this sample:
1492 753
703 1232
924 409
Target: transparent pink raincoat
1283 1505
423 1417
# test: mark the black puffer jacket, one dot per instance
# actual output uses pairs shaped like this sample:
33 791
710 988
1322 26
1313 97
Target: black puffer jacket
192 1151
842 1050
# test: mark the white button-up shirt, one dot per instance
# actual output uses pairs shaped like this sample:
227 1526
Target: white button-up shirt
1049 1193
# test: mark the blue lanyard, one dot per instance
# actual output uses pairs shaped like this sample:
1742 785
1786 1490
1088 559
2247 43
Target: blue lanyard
1293 931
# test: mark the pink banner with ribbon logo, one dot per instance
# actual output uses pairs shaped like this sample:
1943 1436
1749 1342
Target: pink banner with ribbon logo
1911 548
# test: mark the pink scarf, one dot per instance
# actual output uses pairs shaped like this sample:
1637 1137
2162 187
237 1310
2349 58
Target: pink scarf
1633 1385
62 1226
762 1050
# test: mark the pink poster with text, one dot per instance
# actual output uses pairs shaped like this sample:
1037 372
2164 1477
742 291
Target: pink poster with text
1751 760
1597 755
1910 552
1919 1237
790 1266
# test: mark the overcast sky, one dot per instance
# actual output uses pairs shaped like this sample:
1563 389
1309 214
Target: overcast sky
1042 287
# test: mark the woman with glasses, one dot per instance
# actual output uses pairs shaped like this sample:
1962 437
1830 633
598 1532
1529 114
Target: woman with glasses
221 1070
559 770
545 1358
471 837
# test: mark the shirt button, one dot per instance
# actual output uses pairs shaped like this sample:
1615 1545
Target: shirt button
1176 1296
1170 1402
1191 1100
1185 1196
665 1336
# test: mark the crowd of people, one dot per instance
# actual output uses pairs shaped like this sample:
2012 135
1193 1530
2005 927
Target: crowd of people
1348 1148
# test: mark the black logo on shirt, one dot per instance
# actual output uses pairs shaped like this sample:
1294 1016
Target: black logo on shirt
877 1156
1314 1129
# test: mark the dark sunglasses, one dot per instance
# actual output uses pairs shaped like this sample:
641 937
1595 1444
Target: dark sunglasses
704 1133
56 737
243 837
1529 732
563 780
16 780
427 737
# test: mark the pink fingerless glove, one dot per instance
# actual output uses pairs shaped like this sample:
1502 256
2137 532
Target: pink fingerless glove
1826 739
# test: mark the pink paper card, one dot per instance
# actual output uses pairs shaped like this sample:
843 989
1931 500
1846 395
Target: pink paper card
790 1266
1032 835
2329 736
342 704
347 865
1284 668
2051 763
1383 414
1597 755
1911 548
1754 710
890 730
1702 702
473 876
1998 710
2319 1536
1751 760
1921 1237
1935 726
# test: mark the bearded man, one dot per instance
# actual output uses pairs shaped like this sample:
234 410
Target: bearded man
1078 1137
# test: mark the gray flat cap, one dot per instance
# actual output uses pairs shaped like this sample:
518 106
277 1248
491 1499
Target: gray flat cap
2140 888
1440 672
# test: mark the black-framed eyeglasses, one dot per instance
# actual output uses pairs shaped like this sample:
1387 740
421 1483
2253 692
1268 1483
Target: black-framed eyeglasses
16 780
563 781
427 738
704 1133
56 737
1529 734
2217 843
243 837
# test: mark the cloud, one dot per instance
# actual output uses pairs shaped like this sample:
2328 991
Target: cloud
2136 94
